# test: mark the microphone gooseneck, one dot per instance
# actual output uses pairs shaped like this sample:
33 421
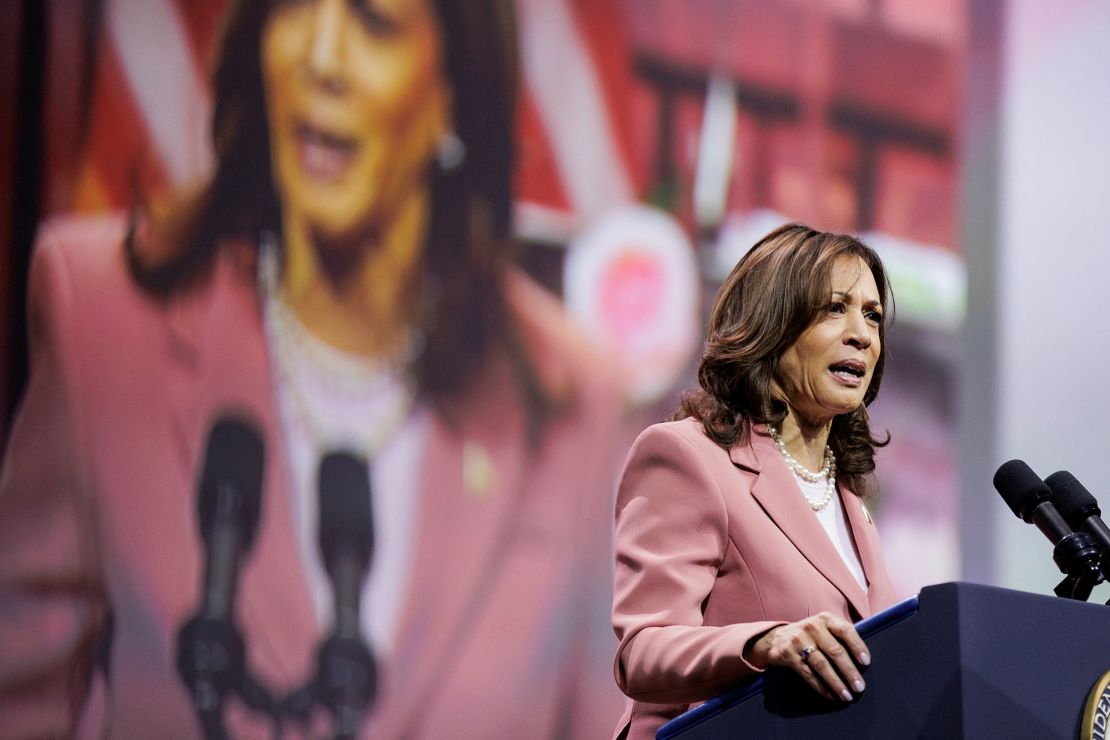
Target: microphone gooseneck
211 658
346 679
1073 552
346 534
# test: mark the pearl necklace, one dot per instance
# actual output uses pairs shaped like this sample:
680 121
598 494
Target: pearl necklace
826 473
287 339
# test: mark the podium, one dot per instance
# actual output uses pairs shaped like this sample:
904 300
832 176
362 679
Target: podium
957 661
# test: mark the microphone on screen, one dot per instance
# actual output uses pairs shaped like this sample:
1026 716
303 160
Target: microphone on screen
228 504
1074 552
346 672
210 652
346 534
346 678
1080 510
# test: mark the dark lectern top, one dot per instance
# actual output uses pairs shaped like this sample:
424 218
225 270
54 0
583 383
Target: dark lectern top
958 660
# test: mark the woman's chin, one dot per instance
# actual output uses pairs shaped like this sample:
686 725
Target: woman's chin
823 413
334 222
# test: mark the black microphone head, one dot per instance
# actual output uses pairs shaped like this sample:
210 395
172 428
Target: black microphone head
1072 499
346 521
1021 488
231 483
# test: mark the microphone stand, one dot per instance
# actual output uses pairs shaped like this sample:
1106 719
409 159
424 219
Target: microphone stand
1077 556
345 684
210 660
346 680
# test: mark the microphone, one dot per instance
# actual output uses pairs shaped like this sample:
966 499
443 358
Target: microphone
1080 509
1074 552
228 506
346 535
210 650
346 680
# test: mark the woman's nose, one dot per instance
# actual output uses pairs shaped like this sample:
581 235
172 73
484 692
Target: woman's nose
857 333
325 52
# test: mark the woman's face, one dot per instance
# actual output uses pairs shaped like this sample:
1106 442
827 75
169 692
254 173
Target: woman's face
827 370
356 99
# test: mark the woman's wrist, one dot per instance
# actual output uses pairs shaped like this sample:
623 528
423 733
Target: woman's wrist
755 649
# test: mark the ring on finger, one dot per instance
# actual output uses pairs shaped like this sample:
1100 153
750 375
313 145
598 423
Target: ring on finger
806 652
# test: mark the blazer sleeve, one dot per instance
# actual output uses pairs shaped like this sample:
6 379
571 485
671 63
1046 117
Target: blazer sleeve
671 538
51 609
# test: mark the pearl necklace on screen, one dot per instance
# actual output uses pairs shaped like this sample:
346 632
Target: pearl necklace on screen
288 339
826 473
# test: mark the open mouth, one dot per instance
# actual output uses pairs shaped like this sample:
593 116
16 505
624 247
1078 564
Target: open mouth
849 372
323 155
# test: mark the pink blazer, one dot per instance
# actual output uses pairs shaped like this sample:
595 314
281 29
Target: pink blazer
504 628
713 548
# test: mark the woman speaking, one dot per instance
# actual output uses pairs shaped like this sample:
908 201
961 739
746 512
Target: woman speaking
742 539
344 279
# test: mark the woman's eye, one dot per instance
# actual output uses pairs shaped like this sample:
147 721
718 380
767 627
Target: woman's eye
837 307
373 19
875 317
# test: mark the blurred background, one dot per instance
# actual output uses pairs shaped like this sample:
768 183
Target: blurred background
657 140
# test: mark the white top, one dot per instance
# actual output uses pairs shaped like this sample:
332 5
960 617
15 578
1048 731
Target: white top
832 518
332 401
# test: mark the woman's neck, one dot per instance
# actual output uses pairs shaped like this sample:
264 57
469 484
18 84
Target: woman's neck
805 440
359 297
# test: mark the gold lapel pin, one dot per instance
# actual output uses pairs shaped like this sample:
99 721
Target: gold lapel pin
478 472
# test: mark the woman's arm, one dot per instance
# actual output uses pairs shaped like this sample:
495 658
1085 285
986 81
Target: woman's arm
671 537
50 603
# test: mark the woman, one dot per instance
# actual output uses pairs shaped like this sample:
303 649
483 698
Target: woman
343 280
742 540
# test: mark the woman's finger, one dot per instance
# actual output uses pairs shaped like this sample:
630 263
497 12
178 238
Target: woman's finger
841 662
822 666
845 631
814 682
841 645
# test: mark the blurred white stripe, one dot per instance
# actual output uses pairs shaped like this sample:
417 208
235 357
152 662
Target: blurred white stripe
150 39
559 73
543 224
716 146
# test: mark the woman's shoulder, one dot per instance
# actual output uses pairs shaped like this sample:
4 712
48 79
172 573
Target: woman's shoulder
83 298
688 436
86 247
83 260
79 278
688 429
674 463
682 436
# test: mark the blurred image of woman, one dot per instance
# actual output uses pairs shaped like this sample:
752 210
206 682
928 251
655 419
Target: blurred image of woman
742 539
344 280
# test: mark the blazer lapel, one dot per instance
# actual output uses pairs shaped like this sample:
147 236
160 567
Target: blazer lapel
865 535
469 492
219 365
778 494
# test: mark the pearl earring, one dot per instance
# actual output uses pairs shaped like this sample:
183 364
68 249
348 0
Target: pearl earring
450 151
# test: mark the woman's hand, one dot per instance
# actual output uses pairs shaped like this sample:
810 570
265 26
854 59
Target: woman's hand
823 649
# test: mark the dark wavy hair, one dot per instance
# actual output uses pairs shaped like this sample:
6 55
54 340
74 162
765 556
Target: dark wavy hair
467 240
773 294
